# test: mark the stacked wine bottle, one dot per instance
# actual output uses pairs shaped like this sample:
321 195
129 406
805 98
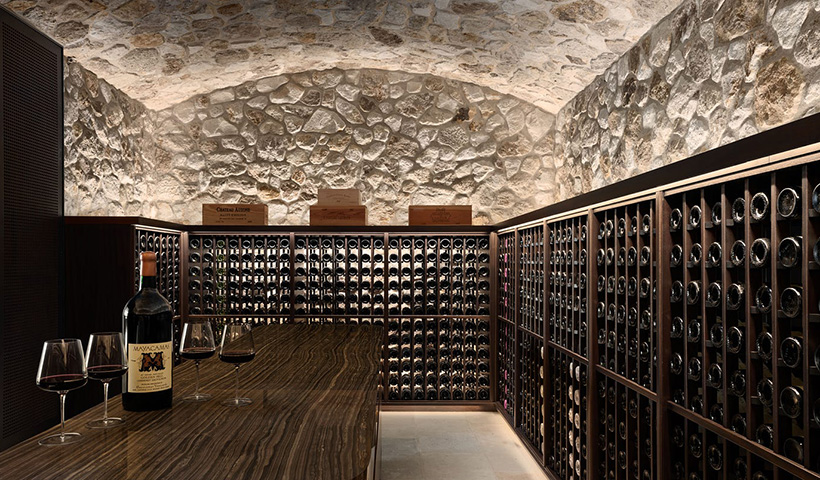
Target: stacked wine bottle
506 367
166 244
700 454
626 433
531 393
506 364
237 275
566 428
568 261
339 278
743 329
438 275
438 359
531 279
625 278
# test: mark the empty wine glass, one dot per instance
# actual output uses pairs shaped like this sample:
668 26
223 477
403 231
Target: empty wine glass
237 348
105 360
61 369
197 344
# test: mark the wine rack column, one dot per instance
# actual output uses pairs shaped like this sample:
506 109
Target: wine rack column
167 244
626 337
506 363
531 310
565 431
811 320
438 317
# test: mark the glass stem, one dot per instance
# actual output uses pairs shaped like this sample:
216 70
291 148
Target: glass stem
62 416
196 391
237 382
105 400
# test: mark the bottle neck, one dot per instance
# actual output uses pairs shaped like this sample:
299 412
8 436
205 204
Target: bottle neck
148 282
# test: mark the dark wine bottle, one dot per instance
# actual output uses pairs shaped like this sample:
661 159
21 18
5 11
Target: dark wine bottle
693 292
714 455
148 332
676 256
788 202
791 350
791 301
675 219
788 252
791 401
759 206
765 436
695 216
765 392
764 345
759 252
739 210
737 383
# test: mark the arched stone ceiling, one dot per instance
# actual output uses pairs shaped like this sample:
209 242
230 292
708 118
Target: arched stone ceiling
164 51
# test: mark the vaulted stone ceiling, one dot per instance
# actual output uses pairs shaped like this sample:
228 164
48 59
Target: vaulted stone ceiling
162 52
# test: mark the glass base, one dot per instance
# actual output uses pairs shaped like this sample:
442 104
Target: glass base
65 439
105 422
237 402
197 397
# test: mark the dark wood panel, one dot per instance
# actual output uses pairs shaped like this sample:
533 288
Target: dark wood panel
31 204
314 412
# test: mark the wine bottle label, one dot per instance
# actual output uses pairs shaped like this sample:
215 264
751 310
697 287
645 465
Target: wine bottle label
149 366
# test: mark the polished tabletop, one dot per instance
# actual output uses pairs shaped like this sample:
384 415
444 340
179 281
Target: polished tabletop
314 413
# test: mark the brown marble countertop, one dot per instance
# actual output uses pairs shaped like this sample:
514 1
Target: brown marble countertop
314 416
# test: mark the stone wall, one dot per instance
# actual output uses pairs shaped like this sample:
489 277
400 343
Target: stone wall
711 73
108 148
401 139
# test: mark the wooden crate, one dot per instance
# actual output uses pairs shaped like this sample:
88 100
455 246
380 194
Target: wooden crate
234 214
441 215
339 197
351 215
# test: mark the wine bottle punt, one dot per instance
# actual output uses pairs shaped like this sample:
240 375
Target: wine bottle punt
148 332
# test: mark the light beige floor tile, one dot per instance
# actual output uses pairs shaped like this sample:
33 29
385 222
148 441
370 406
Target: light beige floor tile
404 468
453 446
434 442
451 466
399 448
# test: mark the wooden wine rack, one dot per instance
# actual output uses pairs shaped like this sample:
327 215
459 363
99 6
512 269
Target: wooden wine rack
655 359
432 292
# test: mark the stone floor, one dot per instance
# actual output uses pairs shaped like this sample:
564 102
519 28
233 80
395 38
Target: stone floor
453 446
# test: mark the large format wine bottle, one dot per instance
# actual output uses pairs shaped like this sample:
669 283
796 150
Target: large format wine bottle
148 331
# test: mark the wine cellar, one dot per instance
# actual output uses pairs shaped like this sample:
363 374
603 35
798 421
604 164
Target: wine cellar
594 331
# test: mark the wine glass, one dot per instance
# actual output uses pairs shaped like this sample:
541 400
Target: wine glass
197 344
237 348
105 360
61 369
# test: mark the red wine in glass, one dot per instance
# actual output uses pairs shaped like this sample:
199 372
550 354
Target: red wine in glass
105 360
197 344
236 357
106 372
237 347
62 368
197 353
61 383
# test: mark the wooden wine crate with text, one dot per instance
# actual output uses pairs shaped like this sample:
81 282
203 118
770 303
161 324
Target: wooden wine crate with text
234 214
339 197
441 215
351 215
